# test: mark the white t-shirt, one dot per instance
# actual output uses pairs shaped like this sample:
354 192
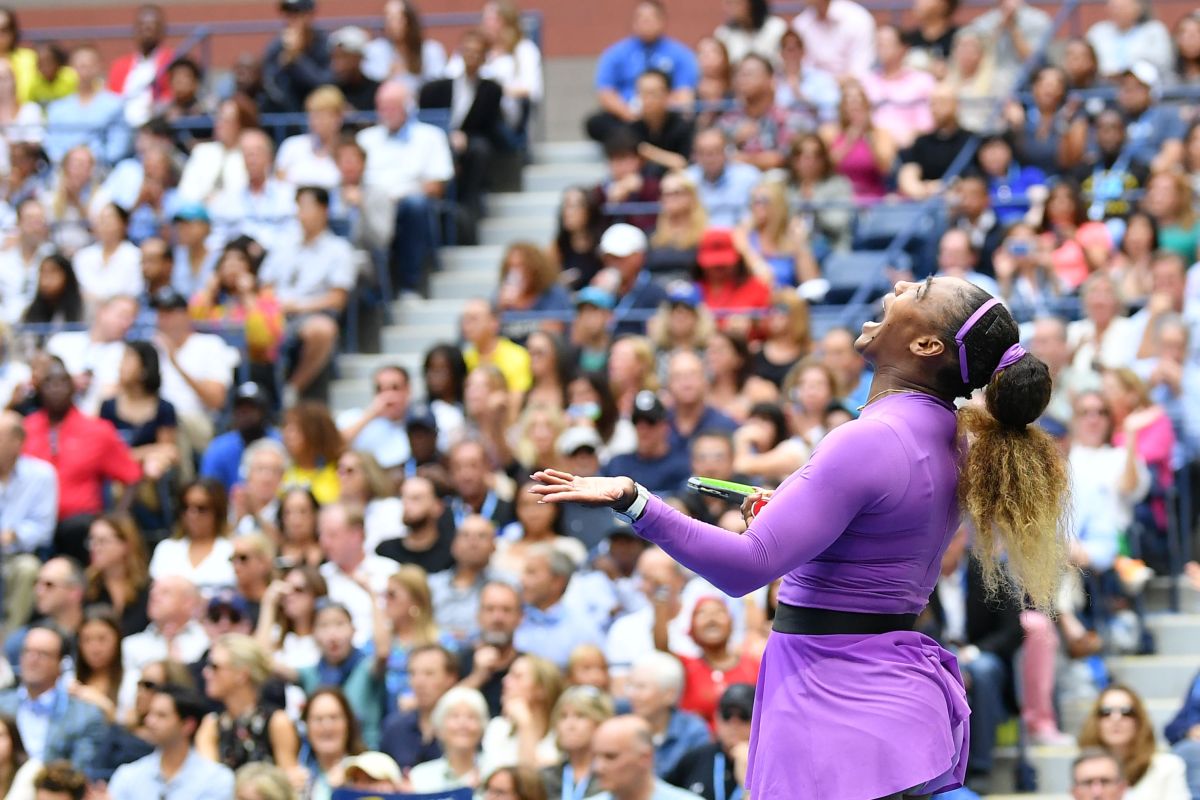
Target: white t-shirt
205 357
299 163
343 589
121 274
398 163
213 573
80 354
299 270
383 519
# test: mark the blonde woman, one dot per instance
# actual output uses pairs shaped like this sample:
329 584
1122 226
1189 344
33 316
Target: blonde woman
70 198
307 158
577 715
973 76
773 242
535 435
259 781
514 61
789 338
522 733
364 483
681 223
682 321
408 606
860 150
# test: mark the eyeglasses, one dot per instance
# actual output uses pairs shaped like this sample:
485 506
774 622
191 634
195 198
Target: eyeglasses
740 714
393 387
35 653
224 614
1119 711
149 686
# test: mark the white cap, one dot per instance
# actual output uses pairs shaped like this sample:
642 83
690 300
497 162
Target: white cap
1145 72
351 39
575 437
379 766
622 240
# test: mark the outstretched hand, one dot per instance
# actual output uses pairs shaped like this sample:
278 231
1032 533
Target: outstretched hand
563 487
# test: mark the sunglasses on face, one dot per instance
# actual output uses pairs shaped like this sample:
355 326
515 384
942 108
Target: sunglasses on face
1118 711
222 614
729 714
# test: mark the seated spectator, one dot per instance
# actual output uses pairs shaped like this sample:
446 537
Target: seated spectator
664 134
898 91
67 201
720 665
1155 131
655 686
1037 133
626 762
1027 286
458 721
758 128
1170 200
307 159
245 730
76 729
622 63
232 295
551 627
93 357
22 120
92 116
156 268
18 768
972 212
409 625
549 369
268 782
412 171
787 338
654 462
957 258
20 260
347 48
513 61
488 411
342 536
726 282
227 458
296 521
264 207
186 100
113 265
172 608
1130 33
687 386
485 346
1104 337
296 61
580 710
1015 30
860 150
139 78
1121 726
1131 264
411 736
201 549
714 87
52 79
287 617
144 185
332 736
364 483
117 573
1012 186
823 196
798 87
314 445
1186 38
254 570
575 246
402 52
84 450
774 243
381 429
932 38
529 284
172 722
750 28
1078 247
1109 175
589 336
534 436
27 517
58 602
445 372
932 154
57 298
724 185
60 780
217 166
681 222
1134 416
627 180
718 769
521 733
311 299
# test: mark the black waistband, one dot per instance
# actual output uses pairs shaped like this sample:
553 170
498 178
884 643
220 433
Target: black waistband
826 622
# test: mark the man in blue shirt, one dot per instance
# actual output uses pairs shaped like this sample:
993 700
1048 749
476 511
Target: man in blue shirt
623 63
551 628
688 386
723 185
92 116
28 513
223 457
174 771
655 463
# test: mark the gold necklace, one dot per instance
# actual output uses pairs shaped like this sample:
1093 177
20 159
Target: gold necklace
878 395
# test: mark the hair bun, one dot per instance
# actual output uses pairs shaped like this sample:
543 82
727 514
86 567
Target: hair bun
1017 395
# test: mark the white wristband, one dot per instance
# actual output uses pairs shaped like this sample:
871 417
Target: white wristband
638 507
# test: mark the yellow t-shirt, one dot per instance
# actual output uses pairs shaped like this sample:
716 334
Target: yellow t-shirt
510 358
322 482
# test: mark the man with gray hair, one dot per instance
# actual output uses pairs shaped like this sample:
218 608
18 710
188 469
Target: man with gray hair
28 511
1097 775
624 762
58 601
551 628
255 501
654 687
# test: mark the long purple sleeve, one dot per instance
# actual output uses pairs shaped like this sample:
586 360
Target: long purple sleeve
857 527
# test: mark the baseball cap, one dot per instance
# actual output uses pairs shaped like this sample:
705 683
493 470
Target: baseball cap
684 293
595 296
738 698
573 439
622 240
191 212
297 6
376 765
716 249
1145 72
421 416
227 598
167 299
250 392
351 38
647 407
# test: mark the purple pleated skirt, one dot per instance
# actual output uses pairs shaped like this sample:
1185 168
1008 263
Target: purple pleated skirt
857 717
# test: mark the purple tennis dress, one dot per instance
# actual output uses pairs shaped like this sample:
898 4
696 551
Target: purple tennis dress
861 527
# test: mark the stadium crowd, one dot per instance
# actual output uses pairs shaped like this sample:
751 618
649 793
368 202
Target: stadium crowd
214 586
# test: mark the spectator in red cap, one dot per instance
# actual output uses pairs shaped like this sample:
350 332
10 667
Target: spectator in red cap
725 281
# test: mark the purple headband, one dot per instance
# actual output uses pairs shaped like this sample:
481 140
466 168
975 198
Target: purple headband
1011 356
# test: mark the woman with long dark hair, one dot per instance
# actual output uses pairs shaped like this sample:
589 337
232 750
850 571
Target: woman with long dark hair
58 298
750 28
878 503
574 248
117 573
200 549
1120 724
403 52
143 419
98 668
17 769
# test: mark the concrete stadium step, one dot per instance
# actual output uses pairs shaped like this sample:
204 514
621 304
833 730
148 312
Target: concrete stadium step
1158 594
1155 677
454 259
1176 634
523 204
558 176
504 232
580 151
435 311
414 339
462 286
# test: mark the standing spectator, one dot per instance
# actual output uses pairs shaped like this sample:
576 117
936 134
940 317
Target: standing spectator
759 129
53 724
84 450
410 162
91 116
899 93
347 46
839 37
933 153
201 549
622 63
263 207
312 274
930 41
1130 34
1120 724
750 28
403 53
175 769
1014 30
297 61
724 185
28 507
140 77
307 159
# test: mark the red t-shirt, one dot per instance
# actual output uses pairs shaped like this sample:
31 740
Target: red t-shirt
703 685
85 452
751 293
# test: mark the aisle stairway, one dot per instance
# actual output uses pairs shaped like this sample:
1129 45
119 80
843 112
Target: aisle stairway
469 272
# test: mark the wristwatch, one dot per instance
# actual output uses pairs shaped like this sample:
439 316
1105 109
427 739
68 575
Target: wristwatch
637 507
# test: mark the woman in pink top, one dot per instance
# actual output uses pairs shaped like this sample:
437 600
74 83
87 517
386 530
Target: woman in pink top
1154 437
860 151
898 93
1078 247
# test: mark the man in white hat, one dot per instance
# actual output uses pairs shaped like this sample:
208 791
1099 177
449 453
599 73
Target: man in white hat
623 248
349 44
372 771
